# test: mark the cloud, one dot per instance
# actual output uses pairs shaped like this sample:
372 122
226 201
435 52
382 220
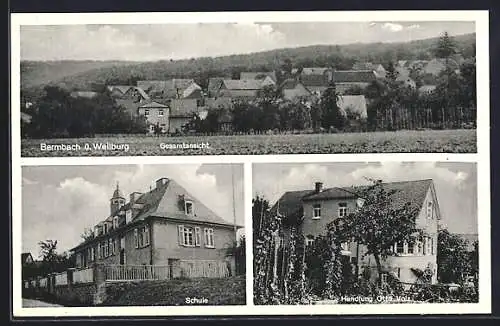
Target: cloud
414 26
392 27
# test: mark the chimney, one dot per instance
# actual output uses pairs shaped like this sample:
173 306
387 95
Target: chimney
318 186
134 196
160 182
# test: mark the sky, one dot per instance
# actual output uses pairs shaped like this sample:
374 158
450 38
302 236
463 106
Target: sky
59 202
455 183
144 42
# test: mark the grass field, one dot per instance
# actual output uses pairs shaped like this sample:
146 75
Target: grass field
428 141
222 291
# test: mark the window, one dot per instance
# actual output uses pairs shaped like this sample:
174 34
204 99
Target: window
115 222
146 113
400 247
128 216
410 248
342 209
432 246
122 243
316 211
152 128
99 253
92 254
383 279
309 241
141 236
344 246
188 207
429 210
209 238
186 236
419 247
429 250
105 248
160 113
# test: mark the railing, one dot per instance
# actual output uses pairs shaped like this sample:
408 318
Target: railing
204 268
83 276
62 278
136 272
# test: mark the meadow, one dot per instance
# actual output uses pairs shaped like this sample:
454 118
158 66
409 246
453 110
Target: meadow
405 141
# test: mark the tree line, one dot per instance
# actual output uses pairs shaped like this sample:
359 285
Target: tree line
58 114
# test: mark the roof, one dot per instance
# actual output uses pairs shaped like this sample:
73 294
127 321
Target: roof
152 104
405 191
25 256
214 84
164 202
191 89
142 93
117 193
216 102
355 103
314 70
183 107
258 75
242 84
289 83
314 80
168 88
354 76
427 88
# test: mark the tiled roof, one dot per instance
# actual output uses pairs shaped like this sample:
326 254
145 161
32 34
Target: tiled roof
356 76
152 105
289 83
314 80
355 103
330 193
258 75
183 107
314 70
167 88
214 84
242 84
290 203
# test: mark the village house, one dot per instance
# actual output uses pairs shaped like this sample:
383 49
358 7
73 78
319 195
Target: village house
239 88
132 93
181 111
348 79
291 89
156 114
311 210
315 79
165 226
377 67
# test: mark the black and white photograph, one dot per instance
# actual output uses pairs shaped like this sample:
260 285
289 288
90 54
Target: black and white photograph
245 88
133 235
365 233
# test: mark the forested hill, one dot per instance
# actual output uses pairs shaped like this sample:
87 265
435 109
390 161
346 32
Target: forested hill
82 75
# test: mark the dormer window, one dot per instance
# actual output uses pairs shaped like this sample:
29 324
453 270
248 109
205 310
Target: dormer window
316 211
429 210
188 207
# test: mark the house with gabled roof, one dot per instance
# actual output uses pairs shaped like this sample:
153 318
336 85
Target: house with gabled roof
156 114
260 75
311 210
291 89
347 79
240 88
171 88
164 226
181 111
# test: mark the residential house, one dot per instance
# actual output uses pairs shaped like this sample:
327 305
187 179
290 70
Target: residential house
165 226
436 65
312 210
172 88
134 93
292 88
316 79
378 68
347 79
156 114
214 85
181 111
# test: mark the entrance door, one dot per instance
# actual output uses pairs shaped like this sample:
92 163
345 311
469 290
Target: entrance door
122 256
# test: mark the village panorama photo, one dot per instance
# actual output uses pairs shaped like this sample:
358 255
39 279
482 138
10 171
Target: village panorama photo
365 233
132 235
283 87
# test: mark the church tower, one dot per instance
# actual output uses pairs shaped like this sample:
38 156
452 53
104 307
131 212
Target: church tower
117 201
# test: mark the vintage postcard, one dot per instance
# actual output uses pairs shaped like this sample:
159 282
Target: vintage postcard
250 163
213 84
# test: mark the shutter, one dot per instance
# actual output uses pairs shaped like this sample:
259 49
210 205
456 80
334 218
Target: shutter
180 234
197 235
136 238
